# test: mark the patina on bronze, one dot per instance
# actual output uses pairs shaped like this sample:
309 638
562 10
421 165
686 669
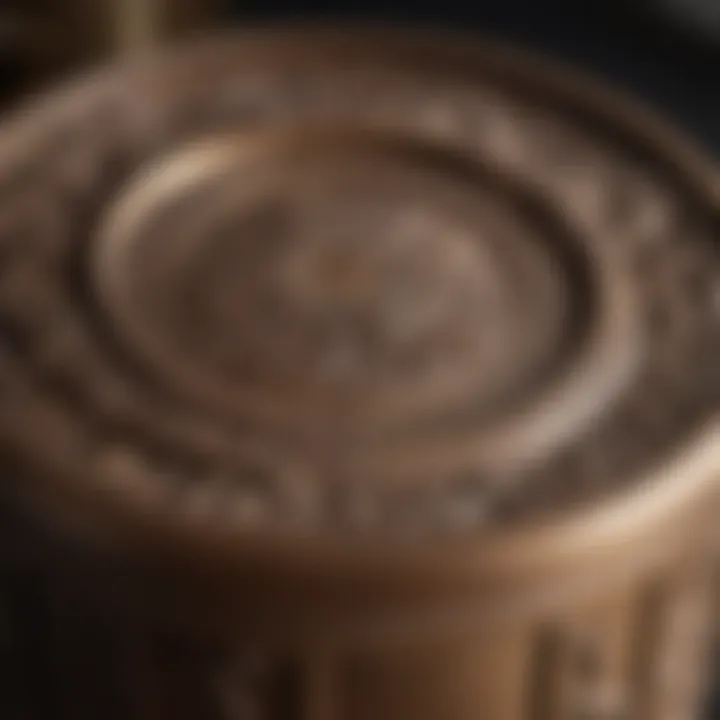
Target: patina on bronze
353 376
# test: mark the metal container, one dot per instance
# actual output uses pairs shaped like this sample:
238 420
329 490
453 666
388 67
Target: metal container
355 376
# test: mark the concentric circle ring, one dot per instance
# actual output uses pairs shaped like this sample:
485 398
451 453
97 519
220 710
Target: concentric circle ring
600 366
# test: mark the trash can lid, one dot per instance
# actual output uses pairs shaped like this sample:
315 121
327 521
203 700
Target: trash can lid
319 292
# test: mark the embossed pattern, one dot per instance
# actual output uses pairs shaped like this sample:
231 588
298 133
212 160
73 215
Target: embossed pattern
400 286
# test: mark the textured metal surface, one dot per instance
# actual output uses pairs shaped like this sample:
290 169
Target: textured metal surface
468 292
357 383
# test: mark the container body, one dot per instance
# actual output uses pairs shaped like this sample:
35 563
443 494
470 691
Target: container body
74 648
355 377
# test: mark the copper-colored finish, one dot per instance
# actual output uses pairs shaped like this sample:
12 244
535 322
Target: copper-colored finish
360 376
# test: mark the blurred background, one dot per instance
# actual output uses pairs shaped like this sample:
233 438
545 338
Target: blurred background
666 52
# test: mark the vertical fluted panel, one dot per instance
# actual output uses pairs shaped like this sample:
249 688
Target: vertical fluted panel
583 663
480 675
682 643
637 654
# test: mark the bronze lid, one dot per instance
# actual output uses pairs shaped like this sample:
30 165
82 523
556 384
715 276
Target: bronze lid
301 297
